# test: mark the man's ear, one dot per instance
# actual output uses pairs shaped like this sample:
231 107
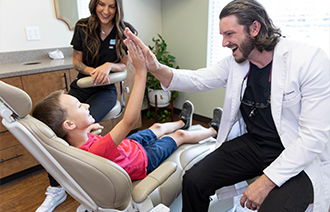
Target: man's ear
255 28
68 125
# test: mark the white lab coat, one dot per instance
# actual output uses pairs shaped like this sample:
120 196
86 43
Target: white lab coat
300 106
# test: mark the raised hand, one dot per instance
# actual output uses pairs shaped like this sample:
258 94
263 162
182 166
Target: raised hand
136 56
150 58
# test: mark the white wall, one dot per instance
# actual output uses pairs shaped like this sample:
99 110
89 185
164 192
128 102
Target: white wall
17 14
184 27
183 24
145 16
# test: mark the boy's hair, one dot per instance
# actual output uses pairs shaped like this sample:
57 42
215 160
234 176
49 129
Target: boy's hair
50 112
248 11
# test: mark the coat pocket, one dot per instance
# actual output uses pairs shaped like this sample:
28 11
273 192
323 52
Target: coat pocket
289 101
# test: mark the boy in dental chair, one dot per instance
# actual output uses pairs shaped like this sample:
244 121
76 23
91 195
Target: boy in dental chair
138 154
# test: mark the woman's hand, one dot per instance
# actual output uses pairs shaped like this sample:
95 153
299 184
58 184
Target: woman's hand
101 74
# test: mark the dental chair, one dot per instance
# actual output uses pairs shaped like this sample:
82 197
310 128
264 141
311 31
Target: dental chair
96 183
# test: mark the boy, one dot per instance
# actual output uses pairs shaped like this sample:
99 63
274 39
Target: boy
140 153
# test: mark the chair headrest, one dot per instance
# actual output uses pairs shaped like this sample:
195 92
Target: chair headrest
17 100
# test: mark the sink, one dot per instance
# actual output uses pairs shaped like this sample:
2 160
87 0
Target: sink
31 63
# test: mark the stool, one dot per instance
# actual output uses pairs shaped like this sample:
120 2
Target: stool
170 106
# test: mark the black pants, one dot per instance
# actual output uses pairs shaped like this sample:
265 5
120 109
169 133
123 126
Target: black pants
100 99
241 159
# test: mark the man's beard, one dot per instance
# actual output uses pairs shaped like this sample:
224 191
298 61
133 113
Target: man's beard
246 48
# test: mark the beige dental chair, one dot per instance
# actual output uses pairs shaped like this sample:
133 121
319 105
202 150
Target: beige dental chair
95 182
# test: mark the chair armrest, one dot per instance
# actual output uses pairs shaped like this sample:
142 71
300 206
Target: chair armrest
142 190
86 82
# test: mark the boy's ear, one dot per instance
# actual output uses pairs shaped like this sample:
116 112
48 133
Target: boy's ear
68 125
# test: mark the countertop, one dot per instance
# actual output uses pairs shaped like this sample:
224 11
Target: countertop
21 63
36 66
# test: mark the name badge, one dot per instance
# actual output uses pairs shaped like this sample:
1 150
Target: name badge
112 41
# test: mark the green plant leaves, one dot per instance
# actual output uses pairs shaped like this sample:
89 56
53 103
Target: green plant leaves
163 56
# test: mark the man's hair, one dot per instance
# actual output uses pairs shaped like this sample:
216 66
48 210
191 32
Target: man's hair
248 11
50 112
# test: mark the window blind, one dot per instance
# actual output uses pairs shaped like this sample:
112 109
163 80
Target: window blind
303 20
83 8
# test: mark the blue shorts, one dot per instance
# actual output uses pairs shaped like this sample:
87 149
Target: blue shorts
157 149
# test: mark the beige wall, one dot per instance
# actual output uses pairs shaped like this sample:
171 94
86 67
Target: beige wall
184 27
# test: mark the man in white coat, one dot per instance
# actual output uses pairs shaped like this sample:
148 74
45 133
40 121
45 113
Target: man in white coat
278 96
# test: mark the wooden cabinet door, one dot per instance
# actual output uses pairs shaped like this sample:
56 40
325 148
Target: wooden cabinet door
15 159
38 86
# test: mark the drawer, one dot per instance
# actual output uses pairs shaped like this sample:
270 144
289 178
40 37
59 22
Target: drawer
7 140
15 159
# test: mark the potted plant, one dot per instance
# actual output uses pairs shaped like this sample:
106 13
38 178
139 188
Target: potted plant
153 86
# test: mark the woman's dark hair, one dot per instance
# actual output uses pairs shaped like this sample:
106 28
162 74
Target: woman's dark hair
248 11
50 112
91 27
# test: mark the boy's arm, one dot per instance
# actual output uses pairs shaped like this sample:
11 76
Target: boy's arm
133 109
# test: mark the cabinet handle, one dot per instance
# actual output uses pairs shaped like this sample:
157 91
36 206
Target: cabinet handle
66 82
16 156
3 131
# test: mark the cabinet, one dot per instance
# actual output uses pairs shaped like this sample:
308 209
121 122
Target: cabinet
40 85
13 156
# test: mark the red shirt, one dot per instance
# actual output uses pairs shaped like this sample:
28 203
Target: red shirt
129 154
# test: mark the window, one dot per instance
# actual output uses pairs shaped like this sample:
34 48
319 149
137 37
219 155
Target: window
83 8
303 20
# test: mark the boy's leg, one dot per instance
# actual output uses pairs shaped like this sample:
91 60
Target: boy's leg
160 129
184 123
55 195
192 137
181 137
215 122
186 114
